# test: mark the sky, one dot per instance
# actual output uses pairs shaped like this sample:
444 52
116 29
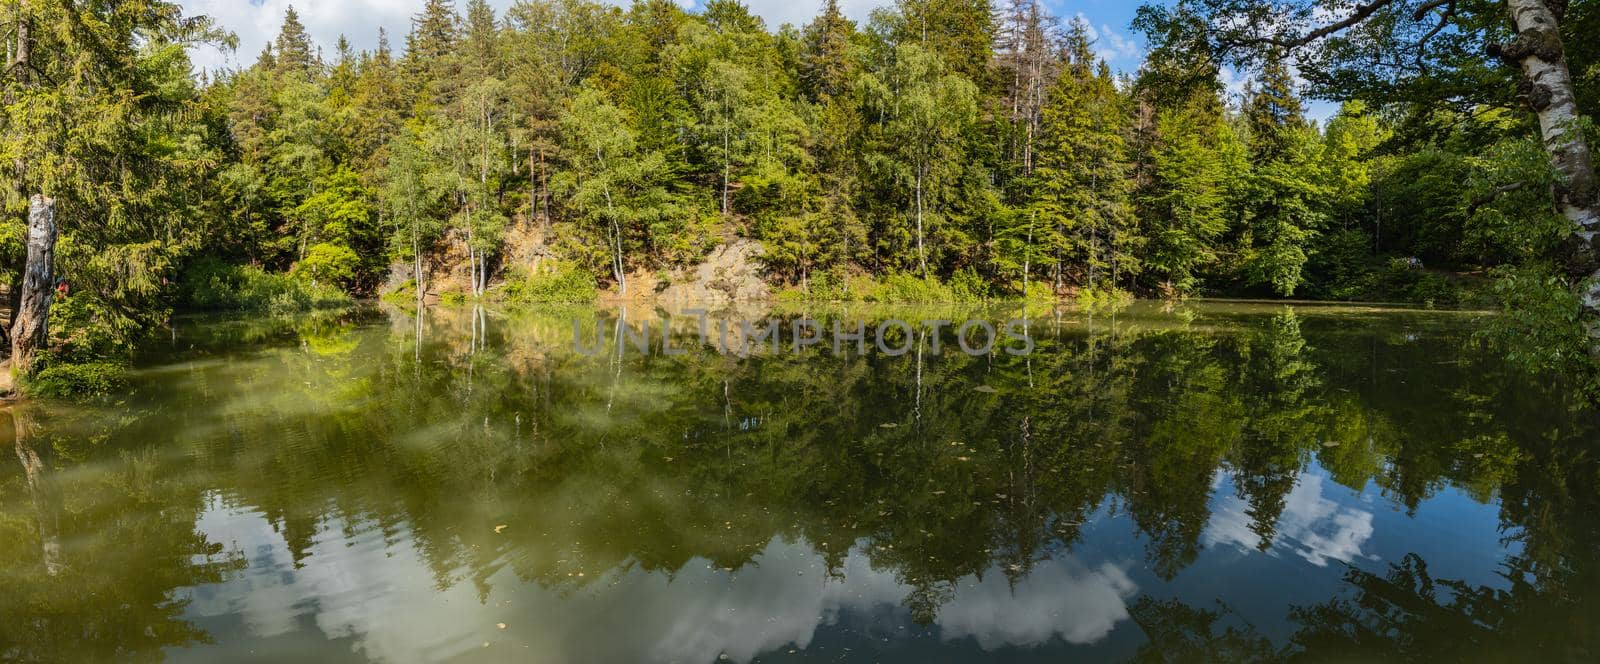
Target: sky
256 22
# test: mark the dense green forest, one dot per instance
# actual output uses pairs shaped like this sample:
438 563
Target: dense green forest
968 148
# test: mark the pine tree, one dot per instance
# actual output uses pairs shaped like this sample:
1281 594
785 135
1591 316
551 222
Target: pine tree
827 66
293 50
378 108
480 50
960 32
1282 199
1081 186
1183 195
1185 205
429 64
1274 113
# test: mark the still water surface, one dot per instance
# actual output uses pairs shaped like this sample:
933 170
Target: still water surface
1222 481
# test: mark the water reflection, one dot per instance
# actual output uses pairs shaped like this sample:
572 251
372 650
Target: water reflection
1220 481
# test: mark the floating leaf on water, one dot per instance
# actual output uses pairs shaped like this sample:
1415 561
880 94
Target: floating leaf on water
499 528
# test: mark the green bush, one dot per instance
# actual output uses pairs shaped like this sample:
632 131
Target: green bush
964 287
1541 328
967 286
77 380
563 283
909 289
328 264
210 284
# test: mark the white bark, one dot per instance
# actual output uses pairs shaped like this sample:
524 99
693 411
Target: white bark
922 255
1540 55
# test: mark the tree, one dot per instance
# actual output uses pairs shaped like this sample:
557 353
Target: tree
469 148
1080 185
97 121
923 113
338 221
294 56
1186 205
410 201
1282 199
827 68
1436 50
429 61
612 180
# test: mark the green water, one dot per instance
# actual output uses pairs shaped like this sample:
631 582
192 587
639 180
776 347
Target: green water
1212 481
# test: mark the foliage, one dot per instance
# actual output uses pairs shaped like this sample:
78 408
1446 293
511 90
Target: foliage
1540 327
209 284
558 283
985 151
66 380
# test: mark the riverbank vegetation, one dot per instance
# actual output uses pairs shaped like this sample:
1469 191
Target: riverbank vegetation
961 149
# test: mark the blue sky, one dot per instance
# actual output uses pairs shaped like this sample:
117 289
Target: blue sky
256 22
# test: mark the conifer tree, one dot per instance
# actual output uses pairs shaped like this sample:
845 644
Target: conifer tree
1282 197
293 52
1081 185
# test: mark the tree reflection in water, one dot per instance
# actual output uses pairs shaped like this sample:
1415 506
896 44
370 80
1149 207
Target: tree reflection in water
266 473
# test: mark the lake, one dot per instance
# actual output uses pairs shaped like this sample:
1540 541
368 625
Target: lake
1207 480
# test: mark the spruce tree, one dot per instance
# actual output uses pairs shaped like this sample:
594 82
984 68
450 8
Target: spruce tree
1283 198
293 51
1081 188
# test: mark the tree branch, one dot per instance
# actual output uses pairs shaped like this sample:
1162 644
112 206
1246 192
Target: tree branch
1361 14
1444 20
1494 194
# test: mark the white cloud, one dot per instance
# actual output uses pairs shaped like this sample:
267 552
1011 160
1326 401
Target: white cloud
256 22
1311 526
1118 50
377 591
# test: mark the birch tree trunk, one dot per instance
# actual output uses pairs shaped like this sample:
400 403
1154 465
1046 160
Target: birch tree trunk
1539 53
30 329
922 255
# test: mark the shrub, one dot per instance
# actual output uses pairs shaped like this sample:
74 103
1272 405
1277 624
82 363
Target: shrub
328 264
967 286
562 283
77 380
210 284
908 289
964 287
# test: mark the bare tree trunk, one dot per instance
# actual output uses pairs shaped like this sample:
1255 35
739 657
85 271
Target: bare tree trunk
30 329
1547 85
21 61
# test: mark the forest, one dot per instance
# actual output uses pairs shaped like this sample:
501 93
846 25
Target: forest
940 150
